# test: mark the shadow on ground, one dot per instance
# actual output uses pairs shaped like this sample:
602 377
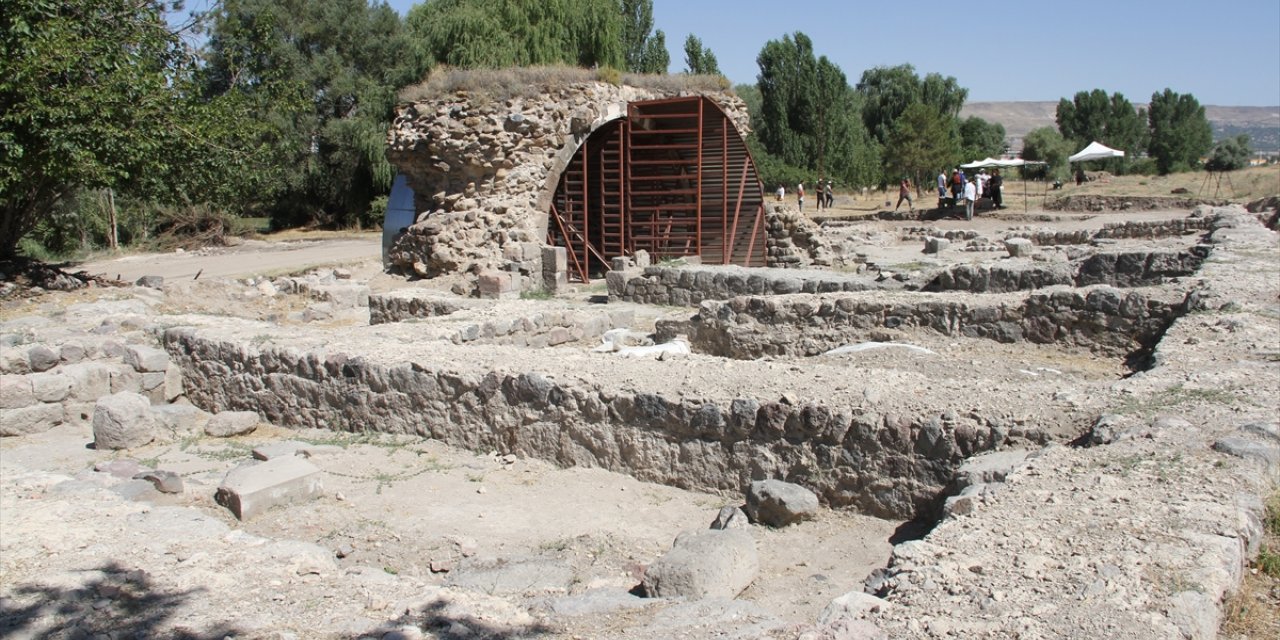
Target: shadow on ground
435 620
116 601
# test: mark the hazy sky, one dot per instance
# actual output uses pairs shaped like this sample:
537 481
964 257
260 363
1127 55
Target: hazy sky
1225 52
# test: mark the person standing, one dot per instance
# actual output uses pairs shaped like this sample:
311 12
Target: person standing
994 185
800 195
957 184
782 192
828 195
970 195
904 193
942 186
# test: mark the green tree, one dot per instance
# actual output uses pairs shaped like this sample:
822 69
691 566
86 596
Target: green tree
922 141
504 33
1180 133
981 139
809 117
1046 145
99 95
1112 120
1230 154
888 91
699 60
642 52
323 74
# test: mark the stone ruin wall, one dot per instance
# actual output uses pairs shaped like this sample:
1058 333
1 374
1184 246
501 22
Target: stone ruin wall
484 170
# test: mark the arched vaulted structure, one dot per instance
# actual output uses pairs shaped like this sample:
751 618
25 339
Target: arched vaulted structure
673 178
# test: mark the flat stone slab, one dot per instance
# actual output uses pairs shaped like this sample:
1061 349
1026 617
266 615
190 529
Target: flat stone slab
249 490
284 449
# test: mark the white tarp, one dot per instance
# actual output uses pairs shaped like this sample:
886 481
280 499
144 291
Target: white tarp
1096 151
990 163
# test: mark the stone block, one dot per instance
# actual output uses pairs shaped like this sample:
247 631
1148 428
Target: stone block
231 423
36 418
42 358
730 517
936 245
151 282
89 380
72 353
554 259
778 504
122 421
51 386
16 391
1019 247
704 564
497 285
342 296
146 359
124 378
180 420
249 490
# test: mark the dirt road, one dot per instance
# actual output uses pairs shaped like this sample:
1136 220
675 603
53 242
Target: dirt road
250 258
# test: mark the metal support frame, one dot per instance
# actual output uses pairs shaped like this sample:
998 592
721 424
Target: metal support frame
655 181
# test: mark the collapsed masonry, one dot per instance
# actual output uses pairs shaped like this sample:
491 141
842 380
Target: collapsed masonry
498 182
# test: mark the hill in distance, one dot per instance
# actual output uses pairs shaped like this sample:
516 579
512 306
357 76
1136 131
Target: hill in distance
1261 123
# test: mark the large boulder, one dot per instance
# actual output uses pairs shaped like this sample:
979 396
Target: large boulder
123 421
704 564
778 504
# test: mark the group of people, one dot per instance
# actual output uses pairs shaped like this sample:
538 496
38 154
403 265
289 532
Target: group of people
822 191
967 190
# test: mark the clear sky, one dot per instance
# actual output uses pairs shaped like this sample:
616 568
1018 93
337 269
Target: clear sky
1225 52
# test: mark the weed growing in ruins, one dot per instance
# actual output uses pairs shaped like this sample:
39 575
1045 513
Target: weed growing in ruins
1178 396
537 294
1253 611
1269 556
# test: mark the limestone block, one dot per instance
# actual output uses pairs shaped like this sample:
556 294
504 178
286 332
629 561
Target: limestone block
554 259
173 385
16 391
251 489
342 296
51 386
180 420
146 359
704 564
151 282
778 504
36 418
936 245
123 421
72 353
497 285
231 423
1019 247
124 378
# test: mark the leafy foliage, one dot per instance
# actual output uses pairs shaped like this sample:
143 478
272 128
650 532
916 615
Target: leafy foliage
323 75
981 139
1180 132
100 94
699 60
503 33
1046 145
643 53
888 91
1231 154
809 117
922 141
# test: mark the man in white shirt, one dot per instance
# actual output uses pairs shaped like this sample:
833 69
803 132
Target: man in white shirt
970 195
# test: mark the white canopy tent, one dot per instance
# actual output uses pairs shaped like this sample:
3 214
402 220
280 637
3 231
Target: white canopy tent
1096 151
996 163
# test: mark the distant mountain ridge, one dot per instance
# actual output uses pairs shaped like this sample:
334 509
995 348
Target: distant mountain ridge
1019 118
